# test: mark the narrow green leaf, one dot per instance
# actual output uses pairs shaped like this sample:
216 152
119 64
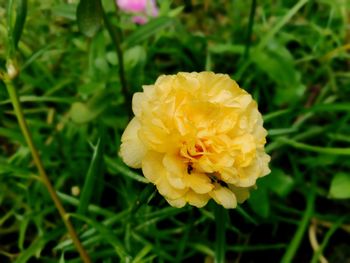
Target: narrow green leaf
10 21
255 248
92 208
203 248
141 255
21 13
284 20
95 170
89 16
31 98
148 30
22 232
38 245
340 186
118 166
107 235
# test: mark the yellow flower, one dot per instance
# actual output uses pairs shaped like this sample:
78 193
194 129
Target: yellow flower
197 136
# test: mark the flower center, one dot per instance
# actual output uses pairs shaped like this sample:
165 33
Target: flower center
193 150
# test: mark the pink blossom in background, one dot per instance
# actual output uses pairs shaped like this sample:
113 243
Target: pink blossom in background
143 9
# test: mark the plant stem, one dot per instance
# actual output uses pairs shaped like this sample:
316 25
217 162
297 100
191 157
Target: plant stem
299 234
116 37
220 243
250 29
37 160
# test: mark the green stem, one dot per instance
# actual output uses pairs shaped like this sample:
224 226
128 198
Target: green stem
37 160
116 37
220 244
318 149
299 234
250 28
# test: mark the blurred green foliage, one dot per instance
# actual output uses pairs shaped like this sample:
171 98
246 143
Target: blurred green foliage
297 69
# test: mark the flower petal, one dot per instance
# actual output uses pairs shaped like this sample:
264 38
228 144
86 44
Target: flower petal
155 172
241 193
178 203
176 170
132 150
199 183
152 167
224 197
167 190
197 200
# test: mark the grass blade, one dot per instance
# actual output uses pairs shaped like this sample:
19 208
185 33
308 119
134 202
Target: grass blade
148 30
117 166
281 23
95 170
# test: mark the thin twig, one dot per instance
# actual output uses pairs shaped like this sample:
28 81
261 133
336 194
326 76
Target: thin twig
37 160
313 241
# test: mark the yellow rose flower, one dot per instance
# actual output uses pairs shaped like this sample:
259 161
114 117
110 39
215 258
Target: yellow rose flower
197 136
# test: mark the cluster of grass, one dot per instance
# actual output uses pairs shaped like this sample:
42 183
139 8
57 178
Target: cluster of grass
292 56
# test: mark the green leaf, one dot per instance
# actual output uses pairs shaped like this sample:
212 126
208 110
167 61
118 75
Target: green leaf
148 30
340 186
21 13
134 56
259 202
279 182
81 113
277 62
89 16
98 65
16 16
95 171
22 232
142 254
68 11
